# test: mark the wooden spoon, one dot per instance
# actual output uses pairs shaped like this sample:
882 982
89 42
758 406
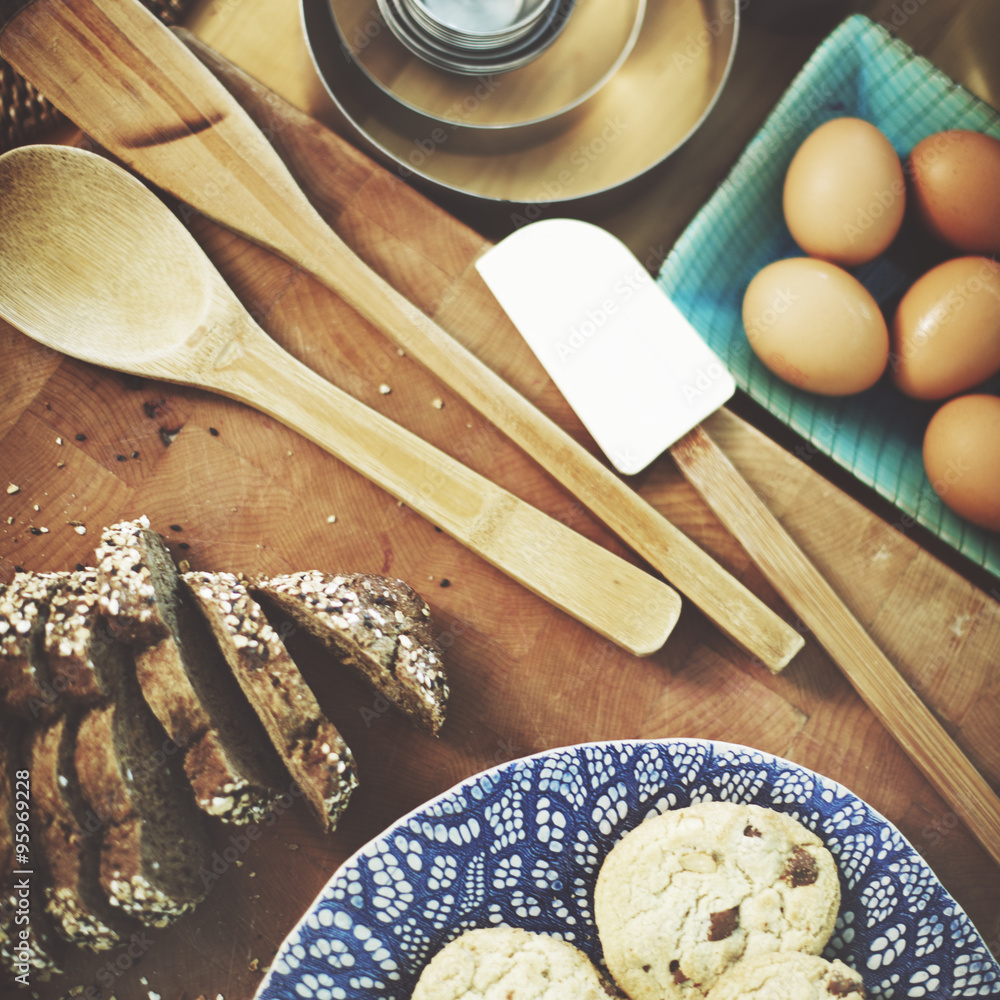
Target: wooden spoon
94 265
122 76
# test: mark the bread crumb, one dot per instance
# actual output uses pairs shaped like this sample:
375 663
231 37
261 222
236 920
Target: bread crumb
184 566
254 965
13 489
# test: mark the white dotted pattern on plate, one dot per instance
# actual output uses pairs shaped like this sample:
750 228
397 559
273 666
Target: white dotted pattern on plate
521 845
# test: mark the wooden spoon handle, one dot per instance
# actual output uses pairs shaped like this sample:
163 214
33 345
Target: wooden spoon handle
616 599
129 82
871 673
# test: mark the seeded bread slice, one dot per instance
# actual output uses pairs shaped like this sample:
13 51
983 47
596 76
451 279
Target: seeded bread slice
24 606
154 845
131 562
76 641
228 758
75 902
313 750
378 626
29 948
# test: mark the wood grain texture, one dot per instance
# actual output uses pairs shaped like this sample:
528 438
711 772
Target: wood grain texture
248 494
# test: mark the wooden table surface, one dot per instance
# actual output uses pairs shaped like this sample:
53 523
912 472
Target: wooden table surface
88 446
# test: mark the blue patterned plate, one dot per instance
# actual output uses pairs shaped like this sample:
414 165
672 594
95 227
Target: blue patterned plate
859 70
521 845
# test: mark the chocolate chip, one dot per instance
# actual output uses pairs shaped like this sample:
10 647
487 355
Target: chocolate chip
675 969
723 924
646 968
844 987
800 869
751 831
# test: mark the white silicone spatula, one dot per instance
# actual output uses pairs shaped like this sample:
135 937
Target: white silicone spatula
628 362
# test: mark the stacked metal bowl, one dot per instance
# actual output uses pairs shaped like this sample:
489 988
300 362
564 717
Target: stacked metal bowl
474 37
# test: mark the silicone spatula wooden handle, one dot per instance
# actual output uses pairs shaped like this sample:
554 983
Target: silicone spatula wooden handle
129 82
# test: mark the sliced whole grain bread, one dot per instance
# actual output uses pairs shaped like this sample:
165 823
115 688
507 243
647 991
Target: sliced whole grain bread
128 566
78 907
29 947
76 640
154 843
24 606
229 760
378 626
313 750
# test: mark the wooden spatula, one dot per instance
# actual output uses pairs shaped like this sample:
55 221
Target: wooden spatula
129 82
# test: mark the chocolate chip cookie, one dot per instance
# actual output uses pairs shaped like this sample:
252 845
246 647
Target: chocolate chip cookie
685 895
508 963
789 975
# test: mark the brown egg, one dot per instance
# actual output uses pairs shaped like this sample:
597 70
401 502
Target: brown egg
962 457
955 189
946 330
844 194
816 326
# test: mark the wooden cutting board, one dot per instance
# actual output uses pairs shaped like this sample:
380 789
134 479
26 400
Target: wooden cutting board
231 489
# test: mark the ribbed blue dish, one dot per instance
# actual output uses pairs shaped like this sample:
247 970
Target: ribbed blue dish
862 71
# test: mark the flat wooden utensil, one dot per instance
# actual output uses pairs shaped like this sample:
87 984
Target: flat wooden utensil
873 676
130 83
94 265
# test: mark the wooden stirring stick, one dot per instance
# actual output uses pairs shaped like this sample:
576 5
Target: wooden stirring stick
129 82
808 593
